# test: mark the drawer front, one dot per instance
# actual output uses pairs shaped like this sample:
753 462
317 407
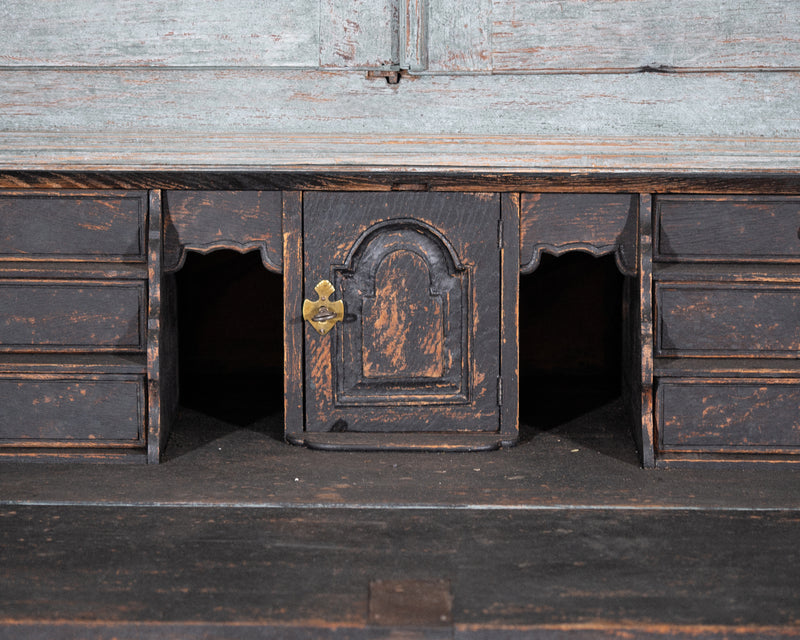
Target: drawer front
73 225
52 410
746 319
727 228
71 315
729 415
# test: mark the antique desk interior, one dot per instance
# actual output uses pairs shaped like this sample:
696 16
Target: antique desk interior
407 174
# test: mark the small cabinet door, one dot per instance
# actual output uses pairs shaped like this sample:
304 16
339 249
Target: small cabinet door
417 349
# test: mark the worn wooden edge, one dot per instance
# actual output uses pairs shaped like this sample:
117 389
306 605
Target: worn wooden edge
509 318
293 355
496 181
449 154
72 455
323 630
669 460
646 336
726 367
67 364
439 441
156 436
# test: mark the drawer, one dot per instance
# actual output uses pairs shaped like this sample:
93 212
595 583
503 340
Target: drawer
735 415
59 225
731 319
72 315
727 228
74 410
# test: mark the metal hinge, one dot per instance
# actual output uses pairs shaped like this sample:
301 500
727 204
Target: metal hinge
499 234
499 391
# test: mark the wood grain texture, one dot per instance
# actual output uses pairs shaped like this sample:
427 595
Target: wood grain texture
359 33
291 119
149 33
633 34
459 35
207 220
495 180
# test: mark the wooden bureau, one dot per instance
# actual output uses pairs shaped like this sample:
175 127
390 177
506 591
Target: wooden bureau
423 353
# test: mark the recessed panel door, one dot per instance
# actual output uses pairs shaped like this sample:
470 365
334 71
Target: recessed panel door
416 344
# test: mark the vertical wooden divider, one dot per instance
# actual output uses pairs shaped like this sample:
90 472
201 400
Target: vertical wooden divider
155 428
292 317
509 317
645 276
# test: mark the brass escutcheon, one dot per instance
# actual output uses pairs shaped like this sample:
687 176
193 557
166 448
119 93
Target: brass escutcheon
322 314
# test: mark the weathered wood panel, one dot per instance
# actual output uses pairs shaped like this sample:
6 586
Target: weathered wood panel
72 315
290 119
636 34
734 228
597 223
71 410
738 319
358 33
232 33
72 225
458 35
728 415
207 220
430 263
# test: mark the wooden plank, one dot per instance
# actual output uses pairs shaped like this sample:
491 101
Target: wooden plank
645 337
445 178
723 574
231 33
157 429
233 119
509 318
358 33
293 370
635 34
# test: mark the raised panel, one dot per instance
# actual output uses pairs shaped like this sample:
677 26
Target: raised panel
727 228
728 415
741 319
408 341
54 410
72 225
71 315
418 349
